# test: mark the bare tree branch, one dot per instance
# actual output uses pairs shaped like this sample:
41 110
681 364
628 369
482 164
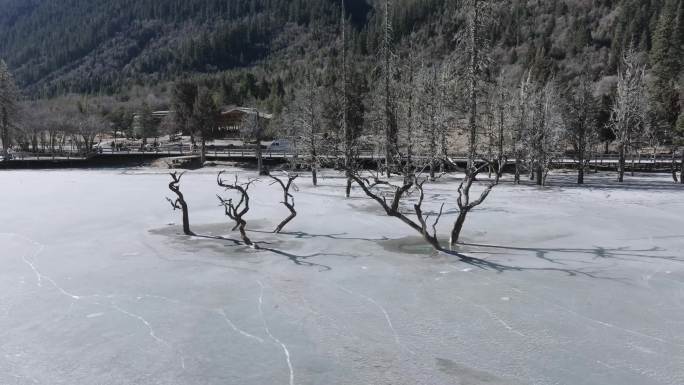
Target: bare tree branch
179 203
236 212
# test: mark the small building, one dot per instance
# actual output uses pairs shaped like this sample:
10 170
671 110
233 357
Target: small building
233 117
230 122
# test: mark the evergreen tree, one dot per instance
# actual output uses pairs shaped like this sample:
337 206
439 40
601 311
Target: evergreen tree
666 63
205 118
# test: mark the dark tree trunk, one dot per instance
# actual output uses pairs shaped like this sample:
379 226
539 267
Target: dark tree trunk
186 219
580 170
243 233
458 227
349 186
621 163
540 175
180 203
4 132
288 199
203 153
681 168
260 158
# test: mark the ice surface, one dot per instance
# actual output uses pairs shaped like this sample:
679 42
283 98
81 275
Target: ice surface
98 286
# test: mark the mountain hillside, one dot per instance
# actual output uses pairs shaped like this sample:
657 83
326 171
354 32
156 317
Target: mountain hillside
100 46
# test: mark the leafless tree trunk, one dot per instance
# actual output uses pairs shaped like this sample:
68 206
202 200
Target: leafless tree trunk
628 109
179 203
579 115
346 132
473 73
465 205
288 199
392 207
4 131
674 165
681 168
390 120
303 113
236 212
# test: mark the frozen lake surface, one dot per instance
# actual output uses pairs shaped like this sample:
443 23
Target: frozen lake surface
97 286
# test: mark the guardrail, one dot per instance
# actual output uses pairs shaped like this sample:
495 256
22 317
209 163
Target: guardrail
250 153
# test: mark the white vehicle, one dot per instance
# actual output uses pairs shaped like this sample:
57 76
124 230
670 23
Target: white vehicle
279 145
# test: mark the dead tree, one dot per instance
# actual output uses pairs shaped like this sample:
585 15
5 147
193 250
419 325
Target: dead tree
288 199
410 184
579 114
465 205
179 203
234 211
628 108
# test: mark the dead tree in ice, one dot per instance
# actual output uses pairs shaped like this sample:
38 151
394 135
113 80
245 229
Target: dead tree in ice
288 199
628 108
465 204
237 211
390 197
372 188
179 203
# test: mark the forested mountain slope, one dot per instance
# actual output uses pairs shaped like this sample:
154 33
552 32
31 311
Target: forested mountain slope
93 46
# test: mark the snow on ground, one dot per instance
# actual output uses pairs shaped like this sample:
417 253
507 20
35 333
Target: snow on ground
97 286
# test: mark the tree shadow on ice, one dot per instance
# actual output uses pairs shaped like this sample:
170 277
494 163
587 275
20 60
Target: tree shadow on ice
501 268
299 260
338 237
598 252
415 245
608 182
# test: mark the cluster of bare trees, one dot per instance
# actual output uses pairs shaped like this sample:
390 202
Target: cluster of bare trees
67 124
236 206
419 110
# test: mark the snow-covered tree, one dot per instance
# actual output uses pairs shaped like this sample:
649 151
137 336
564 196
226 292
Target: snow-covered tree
302 117
579 115
628 113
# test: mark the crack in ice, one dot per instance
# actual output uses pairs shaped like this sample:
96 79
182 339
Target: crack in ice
40 276
268 332
237 329
587 318
397 340
144 321
499 320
